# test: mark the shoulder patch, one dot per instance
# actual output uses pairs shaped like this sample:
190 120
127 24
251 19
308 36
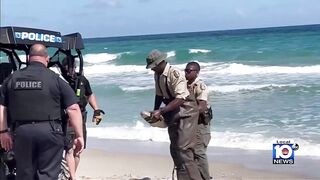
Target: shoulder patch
203 86
176 74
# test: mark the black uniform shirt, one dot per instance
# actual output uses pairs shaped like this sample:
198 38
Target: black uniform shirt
1 96
67 94
86 85
85 90
3 91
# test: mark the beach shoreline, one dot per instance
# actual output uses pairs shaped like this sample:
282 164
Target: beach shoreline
127 159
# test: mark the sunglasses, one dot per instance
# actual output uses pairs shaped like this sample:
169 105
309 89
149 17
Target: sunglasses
188 71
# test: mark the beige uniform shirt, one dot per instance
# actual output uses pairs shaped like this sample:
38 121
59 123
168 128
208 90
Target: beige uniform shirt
176 83
200 90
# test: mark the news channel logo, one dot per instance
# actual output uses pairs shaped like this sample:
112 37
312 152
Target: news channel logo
283 152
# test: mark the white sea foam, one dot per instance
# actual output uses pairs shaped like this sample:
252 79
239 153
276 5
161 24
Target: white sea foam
217 88
171 54
248 141
245 87
221 89
139 132
107 69
199 51
136 88
100 57
207 68
127 52
241 69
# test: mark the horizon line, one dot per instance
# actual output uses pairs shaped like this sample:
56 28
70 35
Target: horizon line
202 31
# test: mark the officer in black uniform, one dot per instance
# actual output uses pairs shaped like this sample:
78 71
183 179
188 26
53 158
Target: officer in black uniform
33 98
82 88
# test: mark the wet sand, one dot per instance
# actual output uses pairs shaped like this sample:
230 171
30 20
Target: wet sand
124 160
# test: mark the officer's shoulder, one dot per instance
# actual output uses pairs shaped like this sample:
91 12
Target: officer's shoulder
175 73
10 75
201 85
22 69
8 78
18 71
53 74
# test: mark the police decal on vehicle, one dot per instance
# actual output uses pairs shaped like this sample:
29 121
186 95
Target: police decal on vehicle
37 37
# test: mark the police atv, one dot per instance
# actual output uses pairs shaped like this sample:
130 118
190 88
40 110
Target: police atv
15 43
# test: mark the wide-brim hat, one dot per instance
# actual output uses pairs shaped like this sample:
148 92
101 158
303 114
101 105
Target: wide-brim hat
154 58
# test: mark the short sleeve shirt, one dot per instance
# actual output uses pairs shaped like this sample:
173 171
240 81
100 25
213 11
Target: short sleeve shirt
86 84
200 90
171 80
68 96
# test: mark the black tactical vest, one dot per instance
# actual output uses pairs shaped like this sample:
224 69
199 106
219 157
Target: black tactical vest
34 94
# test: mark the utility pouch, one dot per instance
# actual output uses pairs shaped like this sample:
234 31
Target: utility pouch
56 127
205 117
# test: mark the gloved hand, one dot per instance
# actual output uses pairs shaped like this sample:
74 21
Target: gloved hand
97 116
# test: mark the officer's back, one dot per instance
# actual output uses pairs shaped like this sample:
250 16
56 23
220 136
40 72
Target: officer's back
34 97
36 84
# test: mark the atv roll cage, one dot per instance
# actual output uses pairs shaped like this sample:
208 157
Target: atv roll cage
65 57
15 43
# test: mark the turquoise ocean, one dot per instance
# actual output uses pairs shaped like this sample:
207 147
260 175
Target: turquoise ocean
264 84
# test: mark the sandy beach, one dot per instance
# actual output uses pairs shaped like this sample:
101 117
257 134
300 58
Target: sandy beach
125 160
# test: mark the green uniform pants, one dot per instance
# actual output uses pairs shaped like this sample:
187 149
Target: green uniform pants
203 139
183 140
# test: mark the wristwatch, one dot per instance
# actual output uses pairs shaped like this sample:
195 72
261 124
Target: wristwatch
4 131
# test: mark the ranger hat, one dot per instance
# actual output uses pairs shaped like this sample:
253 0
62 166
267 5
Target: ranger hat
154 58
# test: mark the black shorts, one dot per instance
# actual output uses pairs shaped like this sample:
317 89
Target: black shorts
71 135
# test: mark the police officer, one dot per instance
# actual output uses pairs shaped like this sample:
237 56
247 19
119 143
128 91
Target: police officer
33 98
200 90
180 113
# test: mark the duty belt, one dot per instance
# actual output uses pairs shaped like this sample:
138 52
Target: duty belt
19 123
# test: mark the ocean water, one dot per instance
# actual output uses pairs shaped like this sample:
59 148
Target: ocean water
264 84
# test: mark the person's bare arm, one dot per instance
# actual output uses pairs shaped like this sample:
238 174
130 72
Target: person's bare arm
93 102
176 103
5 137
97 114
76 122
157 102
